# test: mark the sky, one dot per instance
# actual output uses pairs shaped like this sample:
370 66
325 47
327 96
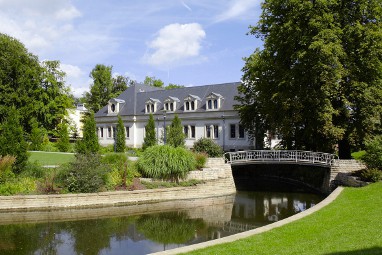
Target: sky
185 42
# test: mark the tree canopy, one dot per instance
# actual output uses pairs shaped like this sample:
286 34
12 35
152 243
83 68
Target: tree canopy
36 90
318 80
89 143
104 87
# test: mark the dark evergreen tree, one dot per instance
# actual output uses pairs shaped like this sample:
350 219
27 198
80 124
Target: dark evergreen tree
89 143
175 135
36 137
150 137
121 136
12 140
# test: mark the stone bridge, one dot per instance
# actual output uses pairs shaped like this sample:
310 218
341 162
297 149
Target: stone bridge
318 171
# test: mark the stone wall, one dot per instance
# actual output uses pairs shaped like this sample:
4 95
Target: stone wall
223 185
341 173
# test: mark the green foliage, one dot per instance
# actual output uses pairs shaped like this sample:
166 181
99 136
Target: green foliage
201 159
173 86
33 170
87 174
208 146
36 136
175 135
373 155
159 184
12 140
371 175
89 143
18 186
6 163
104 87
63 143
152 81
121 140
106 149
150 138
166 162
318 79
358 155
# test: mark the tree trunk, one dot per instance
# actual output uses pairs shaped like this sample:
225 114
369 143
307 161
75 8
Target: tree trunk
344 149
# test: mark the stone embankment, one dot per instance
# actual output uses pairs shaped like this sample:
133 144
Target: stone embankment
340 173
217 176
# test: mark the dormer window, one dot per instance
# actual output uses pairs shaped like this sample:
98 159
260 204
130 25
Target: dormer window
170 104
191 103
115 105
214 101
152 105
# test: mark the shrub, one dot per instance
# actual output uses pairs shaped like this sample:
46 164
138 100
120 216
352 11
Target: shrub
373 156
175 135
371 175
201 159
166 162
6 164
125 168
89 143
106 149
86 174
63 143
150 138
121 142
209 147
34 170
19 186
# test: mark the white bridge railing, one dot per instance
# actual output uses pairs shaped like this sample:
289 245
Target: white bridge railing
280 156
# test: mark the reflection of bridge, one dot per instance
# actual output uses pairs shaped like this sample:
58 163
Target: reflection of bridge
233 227
280 157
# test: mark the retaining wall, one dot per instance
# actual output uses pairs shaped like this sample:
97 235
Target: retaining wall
222 185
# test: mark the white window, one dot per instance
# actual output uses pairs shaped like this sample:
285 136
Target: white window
241 131
214 101
191 103
127 131
170 104
115 105
151 105
232 129
189 131
100 132
109 132
212 131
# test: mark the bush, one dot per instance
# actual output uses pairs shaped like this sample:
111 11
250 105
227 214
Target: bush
19 186
166 162
209 147
106 149
371 175
6 164
373 156
63 143
201 159
34 170
121 168
87 174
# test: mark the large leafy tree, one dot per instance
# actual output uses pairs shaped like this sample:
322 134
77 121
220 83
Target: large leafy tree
318 80
36 90
104 87
154 82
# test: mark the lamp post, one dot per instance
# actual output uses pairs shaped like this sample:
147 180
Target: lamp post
164 127
223 117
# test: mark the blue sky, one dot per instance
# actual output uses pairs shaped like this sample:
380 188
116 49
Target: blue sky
189 42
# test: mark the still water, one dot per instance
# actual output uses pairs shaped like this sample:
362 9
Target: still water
143 229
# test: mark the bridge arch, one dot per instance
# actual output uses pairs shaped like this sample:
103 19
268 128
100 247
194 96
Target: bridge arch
303 170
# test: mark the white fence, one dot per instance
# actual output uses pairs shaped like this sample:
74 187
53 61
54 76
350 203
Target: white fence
281 156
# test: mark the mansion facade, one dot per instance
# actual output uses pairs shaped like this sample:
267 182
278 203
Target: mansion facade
205 111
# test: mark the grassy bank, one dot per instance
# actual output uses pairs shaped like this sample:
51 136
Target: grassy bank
352 224
50 158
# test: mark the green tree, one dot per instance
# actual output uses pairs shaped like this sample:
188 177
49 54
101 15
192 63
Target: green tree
120 139
175 135
120 84
36 136
318 79
12 140
152 81
150 137
89 143
173 86
63 143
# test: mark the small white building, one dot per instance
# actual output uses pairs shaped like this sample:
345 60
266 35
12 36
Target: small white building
74 119
205 111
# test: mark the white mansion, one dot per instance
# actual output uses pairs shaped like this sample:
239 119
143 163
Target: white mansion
205 111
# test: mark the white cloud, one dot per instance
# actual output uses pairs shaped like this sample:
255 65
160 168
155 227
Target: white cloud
238 9
67 13
175 44
75 79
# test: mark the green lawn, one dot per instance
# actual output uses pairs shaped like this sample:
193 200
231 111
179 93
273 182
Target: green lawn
352 224
50 158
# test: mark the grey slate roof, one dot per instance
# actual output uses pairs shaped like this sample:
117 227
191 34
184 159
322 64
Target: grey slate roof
141 93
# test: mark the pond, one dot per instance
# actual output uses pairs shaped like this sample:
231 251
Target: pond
143 229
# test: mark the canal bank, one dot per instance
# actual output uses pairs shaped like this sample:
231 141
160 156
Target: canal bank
217 177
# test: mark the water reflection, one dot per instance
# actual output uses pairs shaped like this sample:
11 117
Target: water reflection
133 231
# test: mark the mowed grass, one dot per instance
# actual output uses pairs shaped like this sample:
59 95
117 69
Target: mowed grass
352 224
50 158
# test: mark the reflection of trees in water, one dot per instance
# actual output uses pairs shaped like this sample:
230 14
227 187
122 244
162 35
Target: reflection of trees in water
29 238
169 228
